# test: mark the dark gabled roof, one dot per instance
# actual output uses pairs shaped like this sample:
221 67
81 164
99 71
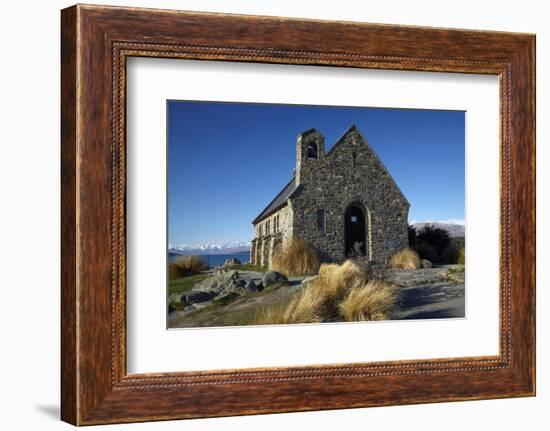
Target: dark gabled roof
279 201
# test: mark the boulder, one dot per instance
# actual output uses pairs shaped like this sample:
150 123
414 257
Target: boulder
425 263
195 296
273 277
231 275
250 286
174 297
214 283
226 298
232 261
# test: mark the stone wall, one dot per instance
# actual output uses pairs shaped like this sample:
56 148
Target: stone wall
349 174
267 240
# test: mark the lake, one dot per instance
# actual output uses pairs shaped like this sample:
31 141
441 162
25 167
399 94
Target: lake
213 260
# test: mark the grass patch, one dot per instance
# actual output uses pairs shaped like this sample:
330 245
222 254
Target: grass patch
405 259
296 257
176 305
184 284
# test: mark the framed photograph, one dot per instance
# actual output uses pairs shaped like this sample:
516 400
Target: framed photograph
265 215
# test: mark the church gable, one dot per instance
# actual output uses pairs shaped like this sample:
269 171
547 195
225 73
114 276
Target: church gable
353 152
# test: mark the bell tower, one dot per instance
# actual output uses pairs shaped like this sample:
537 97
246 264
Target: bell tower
310 148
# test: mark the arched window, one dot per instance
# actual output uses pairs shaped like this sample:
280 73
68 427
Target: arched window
312 151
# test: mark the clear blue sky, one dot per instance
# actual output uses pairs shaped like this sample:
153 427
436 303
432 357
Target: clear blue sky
226 161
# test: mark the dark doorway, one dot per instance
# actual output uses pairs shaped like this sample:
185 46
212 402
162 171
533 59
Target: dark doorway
355 231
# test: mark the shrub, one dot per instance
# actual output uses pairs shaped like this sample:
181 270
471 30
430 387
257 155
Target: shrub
184 266
450 254
376 300
426 251
434 236
461 259
296 257
405 259
412 235
340 292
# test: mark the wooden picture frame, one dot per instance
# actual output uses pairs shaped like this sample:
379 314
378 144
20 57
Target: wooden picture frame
95 43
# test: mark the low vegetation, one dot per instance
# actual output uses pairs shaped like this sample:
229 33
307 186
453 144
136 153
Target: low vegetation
405 259
426 251
184 266
184 284
339 293
296 258
436 237
461 259
436 245
376 300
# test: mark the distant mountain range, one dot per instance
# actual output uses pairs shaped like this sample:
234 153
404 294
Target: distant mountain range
455 228
210 248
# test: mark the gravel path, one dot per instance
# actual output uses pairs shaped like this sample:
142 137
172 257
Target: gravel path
433 301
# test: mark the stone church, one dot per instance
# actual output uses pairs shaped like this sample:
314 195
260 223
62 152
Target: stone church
343 203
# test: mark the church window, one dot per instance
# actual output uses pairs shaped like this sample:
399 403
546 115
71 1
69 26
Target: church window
321 219
311 151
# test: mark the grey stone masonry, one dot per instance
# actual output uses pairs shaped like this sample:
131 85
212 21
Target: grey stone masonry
343 203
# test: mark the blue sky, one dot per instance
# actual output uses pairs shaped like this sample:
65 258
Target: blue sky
226 161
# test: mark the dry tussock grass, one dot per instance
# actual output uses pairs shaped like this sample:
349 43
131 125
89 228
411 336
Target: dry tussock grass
295 258
375 300
340 292
461 256
405 259
183 266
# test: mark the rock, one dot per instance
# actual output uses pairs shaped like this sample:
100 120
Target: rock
273 277
250 286
226 298
232 261
195 296
174 297
232 275
215 283
425 263
235 285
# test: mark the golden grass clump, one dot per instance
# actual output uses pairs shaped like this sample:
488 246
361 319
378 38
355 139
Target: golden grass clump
340 292
184 266
301 308
405 259
296 257
375 300
461 259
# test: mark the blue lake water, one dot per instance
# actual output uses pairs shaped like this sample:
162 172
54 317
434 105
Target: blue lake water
217 259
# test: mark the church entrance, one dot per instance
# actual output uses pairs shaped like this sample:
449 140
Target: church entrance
355 231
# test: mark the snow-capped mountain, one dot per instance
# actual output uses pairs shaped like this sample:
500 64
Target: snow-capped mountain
456 228
210 248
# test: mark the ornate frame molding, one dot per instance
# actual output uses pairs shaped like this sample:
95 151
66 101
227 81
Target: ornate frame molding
96 41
